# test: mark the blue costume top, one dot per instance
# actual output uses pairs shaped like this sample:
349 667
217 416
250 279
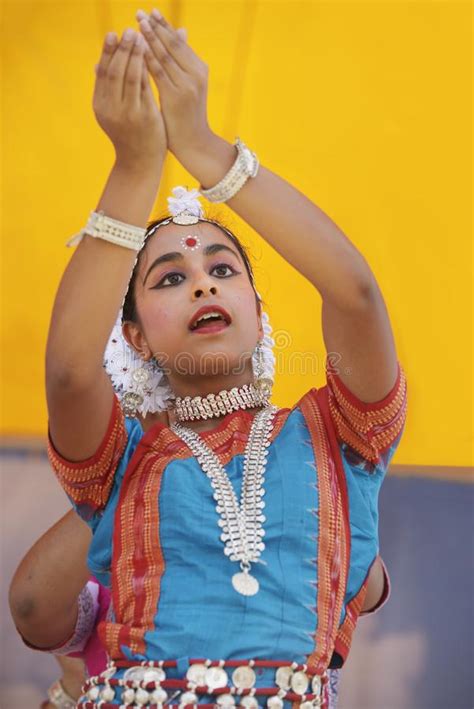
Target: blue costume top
156 539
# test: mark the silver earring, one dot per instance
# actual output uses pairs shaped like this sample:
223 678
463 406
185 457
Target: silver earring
262 384
132 400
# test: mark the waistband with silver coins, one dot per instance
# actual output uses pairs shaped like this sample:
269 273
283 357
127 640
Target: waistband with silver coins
147 685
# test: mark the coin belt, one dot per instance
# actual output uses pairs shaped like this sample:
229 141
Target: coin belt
146 685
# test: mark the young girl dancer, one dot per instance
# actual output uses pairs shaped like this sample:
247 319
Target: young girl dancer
47 585
239 540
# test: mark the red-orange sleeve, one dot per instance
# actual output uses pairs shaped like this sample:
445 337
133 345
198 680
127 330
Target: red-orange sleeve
368 428
88 482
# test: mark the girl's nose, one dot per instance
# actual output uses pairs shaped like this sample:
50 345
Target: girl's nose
204 291
204 286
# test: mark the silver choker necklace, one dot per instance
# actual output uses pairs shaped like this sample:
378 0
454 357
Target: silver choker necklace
241 524
197 407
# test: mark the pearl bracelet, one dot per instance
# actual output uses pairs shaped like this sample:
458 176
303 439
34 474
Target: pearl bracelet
59 697
102 227
246 165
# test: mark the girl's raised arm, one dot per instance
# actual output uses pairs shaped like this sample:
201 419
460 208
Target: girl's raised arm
79 393
355 321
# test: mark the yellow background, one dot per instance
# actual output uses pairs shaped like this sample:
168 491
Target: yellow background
363 106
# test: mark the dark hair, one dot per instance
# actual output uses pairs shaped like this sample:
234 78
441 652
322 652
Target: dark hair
129 306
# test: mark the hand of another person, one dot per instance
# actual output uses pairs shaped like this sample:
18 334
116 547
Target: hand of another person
181 78
123 102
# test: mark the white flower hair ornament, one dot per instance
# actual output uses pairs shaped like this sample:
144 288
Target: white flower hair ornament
143 386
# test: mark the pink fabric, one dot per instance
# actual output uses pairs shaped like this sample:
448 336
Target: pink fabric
93 654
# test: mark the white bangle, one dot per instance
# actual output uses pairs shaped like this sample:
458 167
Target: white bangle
59 697
246 165
102 227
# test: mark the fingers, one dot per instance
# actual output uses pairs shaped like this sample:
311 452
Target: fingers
162 57
108 50
160 76
145 87
118 64
173 41
133 74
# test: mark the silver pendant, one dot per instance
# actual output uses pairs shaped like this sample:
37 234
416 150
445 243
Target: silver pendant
154 674
299 682
216 677
158 696
141 696
93 693
107 694
245 583
188 698
274 702
197 673
241 524
135 674
128 696
283 677
316 684
244 677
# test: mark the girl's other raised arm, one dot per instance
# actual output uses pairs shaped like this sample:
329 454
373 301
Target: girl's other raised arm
79 393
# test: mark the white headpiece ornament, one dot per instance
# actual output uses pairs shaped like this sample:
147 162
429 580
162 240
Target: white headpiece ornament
125 367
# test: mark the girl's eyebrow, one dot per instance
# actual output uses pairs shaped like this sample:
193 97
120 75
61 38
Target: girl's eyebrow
178 256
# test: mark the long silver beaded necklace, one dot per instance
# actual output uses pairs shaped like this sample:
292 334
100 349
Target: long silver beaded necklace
242 524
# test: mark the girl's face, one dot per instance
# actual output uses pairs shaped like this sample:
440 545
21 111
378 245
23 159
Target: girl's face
174 283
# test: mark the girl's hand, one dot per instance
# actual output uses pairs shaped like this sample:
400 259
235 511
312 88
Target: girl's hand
181 78
123 102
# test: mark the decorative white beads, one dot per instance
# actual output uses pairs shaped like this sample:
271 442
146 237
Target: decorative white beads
211 676
244 677
128 696
197 673
158 696
93 693
316 684
102 227
283 676
187 698
141 696
245 165
311 704
107 694
216 677
154 674
135 674
299 682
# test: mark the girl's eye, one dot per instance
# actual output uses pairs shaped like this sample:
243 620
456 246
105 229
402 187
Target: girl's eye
172 278
223 269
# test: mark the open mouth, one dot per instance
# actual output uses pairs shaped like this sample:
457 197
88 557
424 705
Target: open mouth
210 319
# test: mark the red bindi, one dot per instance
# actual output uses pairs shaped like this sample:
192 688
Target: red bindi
190 242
